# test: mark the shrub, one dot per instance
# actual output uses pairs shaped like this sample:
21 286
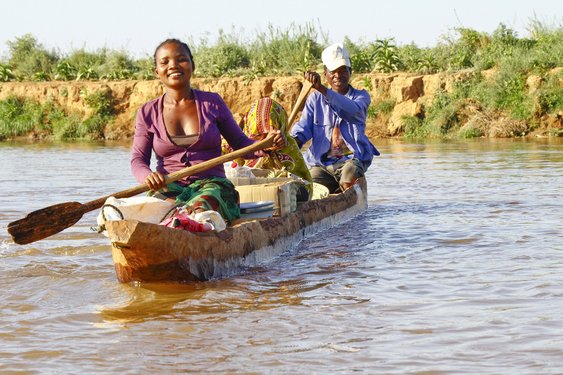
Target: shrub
384 106
6 73
66 127
548 49
29 57
101 102
468 131
117 66
64 71
298 48
290 51
509 93
361 56
17 117
144 69
442 115
227 56
93 127
386 56
414 127
372 112
551 94
366 83
418 60
460 51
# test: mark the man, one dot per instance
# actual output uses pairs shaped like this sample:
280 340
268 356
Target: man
335 120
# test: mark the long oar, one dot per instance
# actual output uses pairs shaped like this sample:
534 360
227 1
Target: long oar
53 219
299 103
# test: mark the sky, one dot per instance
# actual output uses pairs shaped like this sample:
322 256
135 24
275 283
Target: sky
138 26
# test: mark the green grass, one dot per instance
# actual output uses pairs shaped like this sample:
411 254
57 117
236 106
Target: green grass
19 117
384 106
415 127
550 98
24 117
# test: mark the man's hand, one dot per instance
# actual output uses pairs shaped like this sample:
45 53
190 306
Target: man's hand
315 79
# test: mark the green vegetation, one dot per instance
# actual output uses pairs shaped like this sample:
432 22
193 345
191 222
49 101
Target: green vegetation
492 98
277 52
501 106
30 61
24 117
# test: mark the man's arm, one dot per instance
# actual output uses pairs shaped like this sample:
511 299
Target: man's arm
302 131
351 110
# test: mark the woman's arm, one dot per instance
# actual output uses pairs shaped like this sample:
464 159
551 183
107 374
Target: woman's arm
142 148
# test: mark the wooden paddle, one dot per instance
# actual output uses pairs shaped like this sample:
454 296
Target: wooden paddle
45 222
299 103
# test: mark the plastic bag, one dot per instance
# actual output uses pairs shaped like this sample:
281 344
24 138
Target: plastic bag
142 208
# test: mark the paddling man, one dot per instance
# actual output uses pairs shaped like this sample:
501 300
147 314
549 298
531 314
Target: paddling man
335 121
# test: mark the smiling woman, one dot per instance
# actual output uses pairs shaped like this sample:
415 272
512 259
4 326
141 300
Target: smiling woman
184 127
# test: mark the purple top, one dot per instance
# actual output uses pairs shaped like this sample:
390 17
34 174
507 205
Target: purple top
215 120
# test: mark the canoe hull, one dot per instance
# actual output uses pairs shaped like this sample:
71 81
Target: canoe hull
146 252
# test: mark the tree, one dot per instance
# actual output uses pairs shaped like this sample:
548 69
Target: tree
29 58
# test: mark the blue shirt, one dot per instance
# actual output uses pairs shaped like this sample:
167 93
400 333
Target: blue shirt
321 114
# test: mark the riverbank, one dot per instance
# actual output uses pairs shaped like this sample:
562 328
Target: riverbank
401 102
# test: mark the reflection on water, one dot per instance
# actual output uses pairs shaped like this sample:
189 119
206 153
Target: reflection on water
175 301
455 268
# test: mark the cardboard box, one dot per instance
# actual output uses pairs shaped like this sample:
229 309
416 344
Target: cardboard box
239 181
278 190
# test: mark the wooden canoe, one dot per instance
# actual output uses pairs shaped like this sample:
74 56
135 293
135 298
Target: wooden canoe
146 252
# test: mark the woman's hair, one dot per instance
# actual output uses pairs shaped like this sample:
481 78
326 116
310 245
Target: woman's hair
178 42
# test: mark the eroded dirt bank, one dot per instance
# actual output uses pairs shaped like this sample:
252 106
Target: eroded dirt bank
410 93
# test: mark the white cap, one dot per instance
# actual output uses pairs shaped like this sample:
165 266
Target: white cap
335 56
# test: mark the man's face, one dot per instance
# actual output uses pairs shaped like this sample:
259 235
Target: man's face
338 79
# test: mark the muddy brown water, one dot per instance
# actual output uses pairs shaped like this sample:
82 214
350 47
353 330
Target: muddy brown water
455 268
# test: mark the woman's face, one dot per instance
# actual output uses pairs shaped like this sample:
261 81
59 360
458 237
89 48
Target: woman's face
173 65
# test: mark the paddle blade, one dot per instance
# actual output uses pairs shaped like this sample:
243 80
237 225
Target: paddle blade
45 222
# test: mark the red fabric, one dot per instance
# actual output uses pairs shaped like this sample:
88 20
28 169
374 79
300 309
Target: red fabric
181 220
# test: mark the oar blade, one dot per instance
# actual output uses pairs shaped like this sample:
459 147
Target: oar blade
45 222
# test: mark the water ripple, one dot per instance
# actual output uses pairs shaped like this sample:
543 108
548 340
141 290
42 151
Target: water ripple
454 268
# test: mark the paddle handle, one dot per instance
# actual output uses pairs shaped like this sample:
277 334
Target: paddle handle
185 172
299 103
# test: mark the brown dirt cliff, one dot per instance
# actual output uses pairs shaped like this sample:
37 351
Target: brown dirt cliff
410 93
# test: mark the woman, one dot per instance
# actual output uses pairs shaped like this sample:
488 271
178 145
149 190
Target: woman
264 115
184 127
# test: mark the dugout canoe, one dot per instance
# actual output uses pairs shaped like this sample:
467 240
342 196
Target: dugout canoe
144 252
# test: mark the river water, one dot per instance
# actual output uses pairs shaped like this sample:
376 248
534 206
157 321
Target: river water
455 268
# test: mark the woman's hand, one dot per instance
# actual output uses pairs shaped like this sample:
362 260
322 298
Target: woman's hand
279 139
155 181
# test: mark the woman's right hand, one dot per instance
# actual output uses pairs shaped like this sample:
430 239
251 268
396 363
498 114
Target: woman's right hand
155 181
